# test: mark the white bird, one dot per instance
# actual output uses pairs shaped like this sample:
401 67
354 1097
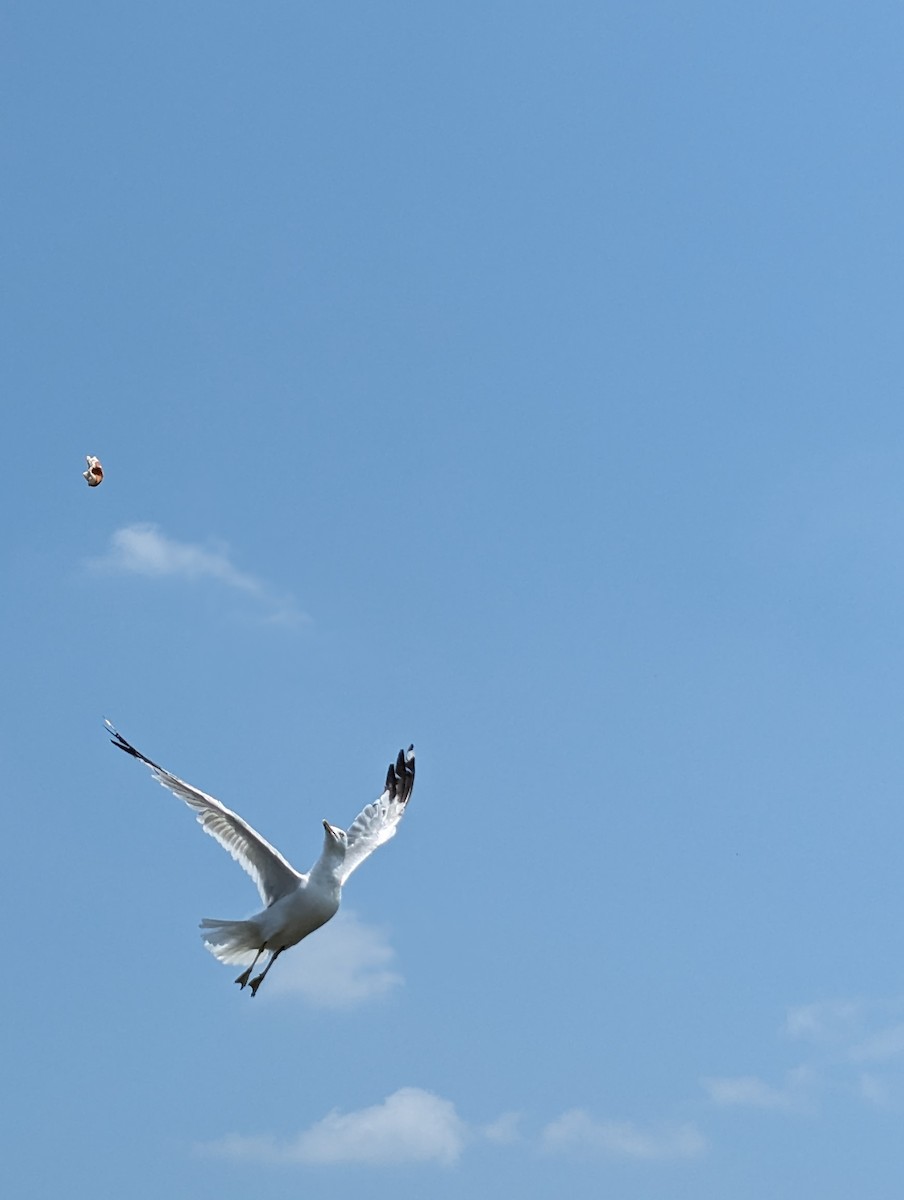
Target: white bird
295 904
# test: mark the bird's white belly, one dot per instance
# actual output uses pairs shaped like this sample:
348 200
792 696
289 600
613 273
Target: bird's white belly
295 916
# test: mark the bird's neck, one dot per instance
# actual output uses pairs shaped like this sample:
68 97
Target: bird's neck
326 871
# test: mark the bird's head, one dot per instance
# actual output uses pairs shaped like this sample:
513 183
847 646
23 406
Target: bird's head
335 841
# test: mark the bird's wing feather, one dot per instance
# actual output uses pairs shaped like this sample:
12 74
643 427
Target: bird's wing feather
271 873
377 822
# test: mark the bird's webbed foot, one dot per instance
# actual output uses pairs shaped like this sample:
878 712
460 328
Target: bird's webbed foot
259 979
242 979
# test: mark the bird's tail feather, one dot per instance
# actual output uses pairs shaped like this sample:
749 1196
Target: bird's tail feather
231 941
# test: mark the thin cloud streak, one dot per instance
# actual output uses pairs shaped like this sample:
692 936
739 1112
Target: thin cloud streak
143 549
886 1044
859 1030
504 1131
578 1131
873 1090
749 1091
824 1020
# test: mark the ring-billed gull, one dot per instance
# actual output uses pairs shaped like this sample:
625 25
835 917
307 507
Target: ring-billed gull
295 904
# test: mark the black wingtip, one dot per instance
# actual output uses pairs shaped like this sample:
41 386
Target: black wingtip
400 776
120 743
118 740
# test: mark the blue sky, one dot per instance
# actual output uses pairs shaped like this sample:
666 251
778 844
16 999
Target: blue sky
520 380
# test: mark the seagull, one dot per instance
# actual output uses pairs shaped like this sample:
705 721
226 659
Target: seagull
294 904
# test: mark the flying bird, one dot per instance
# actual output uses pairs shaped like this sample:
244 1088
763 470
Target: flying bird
294 904
95 472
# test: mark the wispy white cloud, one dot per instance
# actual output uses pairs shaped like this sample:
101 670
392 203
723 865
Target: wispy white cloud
504 1130
578 1131
854 1047
410 1126
416 1126
142 549
351 966
880 1046
855 1030
749 1091
874 1090
824 1021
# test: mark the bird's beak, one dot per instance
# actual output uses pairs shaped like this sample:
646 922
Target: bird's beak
328 827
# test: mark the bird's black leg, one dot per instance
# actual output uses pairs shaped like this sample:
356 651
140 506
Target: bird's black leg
246 975
255 983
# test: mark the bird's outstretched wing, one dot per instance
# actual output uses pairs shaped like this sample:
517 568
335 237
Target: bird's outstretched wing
267 867
377 823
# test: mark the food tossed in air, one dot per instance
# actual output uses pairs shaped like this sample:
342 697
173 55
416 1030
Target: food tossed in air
95 472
